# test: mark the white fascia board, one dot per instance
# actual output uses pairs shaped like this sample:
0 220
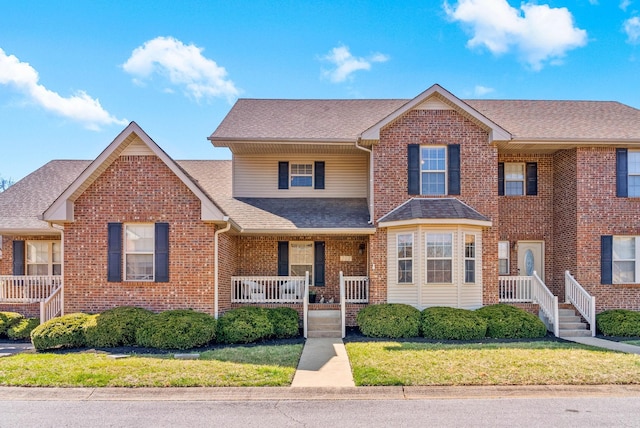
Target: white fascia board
436 221
314 231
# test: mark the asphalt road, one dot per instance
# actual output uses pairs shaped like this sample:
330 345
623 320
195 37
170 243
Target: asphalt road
494 412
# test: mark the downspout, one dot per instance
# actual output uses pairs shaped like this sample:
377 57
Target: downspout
370 151
215 264
62 263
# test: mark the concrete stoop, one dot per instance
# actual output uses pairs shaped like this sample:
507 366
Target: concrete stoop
571 325
324 324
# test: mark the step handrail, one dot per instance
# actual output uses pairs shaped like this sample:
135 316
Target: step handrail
305 306
547 301
581 300
343 305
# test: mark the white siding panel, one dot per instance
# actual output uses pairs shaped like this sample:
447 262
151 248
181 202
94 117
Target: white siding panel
433 103
257 176
439 295
137 148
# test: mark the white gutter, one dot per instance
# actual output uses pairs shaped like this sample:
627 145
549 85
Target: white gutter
370 151
215 264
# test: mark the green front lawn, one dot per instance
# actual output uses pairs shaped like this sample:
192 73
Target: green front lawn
518 363
272 365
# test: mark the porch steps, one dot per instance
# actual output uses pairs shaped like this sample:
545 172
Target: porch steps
324 323
571 325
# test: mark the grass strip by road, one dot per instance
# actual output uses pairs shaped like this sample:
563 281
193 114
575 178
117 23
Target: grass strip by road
517 363
272 365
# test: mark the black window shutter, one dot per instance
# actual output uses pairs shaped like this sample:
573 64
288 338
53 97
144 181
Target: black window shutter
318 263
18 258
621 173
413 170
454 169
318 181
283 258
606 259
114 252
532 178
162 252
500 178
283 175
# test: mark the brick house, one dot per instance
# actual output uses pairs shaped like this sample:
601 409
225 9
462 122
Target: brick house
433 201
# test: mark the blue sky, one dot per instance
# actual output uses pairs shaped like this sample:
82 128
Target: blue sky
74 73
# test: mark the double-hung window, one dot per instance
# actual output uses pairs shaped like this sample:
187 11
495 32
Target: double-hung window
139 252
439 257
43 258
514 179
503 258
633 178
433 170
626 250
301 258
469 258
405 258
301 175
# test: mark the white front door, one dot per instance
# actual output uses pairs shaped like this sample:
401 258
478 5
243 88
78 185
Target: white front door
531 258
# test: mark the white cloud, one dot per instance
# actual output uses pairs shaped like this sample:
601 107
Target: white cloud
183 65
346 64
624 4
79 107
537 33
632 28
480 90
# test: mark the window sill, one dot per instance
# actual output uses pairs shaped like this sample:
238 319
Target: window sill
626 285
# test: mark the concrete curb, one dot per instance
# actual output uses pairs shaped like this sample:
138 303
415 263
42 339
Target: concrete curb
315 394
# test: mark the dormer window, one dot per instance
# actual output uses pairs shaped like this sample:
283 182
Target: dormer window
301 175
293 175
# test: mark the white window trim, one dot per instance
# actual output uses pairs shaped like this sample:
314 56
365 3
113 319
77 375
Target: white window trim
292 175
291 244
636 261
49 263
452 257
125 253
445 171
508 258
398 258
523 181
474 258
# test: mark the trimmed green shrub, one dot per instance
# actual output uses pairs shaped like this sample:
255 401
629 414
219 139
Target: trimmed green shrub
443 323
115 327
176 329
509 322
285 322
391 320
62 332
22 329
618 322
245 325
7 320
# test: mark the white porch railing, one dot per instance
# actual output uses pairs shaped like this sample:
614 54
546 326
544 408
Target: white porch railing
583 301
547 301
28 288
515 289
52 306
356 288
267 289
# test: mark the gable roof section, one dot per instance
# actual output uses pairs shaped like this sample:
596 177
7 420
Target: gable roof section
496 132
434 211
22 205
62 209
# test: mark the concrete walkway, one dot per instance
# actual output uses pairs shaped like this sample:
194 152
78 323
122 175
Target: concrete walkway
323 363
607 344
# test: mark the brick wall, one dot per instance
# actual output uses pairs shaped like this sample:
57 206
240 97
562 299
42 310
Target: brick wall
479 178
138 189
600 212
530 217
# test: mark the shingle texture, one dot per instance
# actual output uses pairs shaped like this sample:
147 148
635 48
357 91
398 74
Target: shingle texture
427 208
252 119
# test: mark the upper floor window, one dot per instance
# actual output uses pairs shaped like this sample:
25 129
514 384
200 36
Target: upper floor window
43 258
139 252
301 175
633 178
517 178
433 171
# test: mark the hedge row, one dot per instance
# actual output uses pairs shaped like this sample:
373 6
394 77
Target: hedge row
394 320
15 326
619 322
175 329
